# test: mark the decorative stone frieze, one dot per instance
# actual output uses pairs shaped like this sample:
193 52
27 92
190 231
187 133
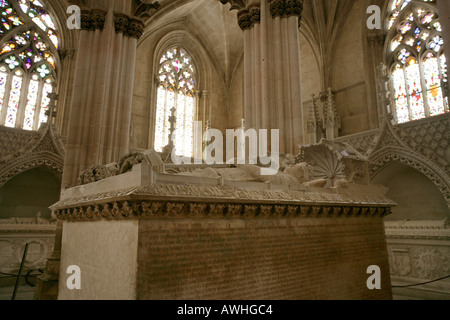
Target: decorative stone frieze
118 210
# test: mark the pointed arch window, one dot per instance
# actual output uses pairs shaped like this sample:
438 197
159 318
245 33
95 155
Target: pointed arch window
415 53
176 87
29 61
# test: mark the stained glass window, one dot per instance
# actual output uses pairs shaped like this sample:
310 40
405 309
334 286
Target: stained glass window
418 64
176 85
29 60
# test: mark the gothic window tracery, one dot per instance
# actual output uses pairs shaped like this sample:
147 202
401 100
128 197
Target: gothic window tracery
417 61
176 87
29 60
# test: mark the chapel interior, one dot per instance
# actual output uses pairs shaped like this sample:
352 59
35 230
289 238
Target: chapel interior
76 98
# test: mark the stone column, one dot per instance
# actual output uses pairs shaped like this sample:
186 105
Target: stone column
272 75
376 108
444 15
101 107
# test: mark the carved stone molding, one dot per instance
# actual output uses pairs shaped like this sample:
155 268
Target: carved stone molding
133 209
418 230
163 200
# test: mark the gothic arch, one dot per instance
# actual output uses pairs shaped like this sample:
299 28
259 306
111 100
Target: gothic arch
384 157
204 66
29 162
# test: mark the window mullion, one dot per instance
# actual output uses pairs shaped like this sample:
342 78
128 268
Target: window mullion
165 129
37 111
423 83
6 98
441 77
408 93
23 101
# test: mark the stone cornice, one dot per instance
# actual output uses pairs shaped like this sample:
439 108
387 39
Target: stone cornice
185 201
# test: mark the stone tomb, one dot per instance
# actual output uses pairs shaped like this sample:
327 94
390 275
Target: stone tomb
167 232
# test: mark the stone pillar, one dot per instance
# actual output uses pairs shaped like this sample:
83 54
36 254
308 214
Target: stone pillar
376 108
101 107
272 75
444 15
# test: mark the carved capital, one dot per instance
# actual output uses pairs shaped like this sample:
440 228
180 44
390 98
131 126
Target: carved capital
294 8
375 37
255 14
86 21
135 28
98 18
281 8
121 22
92 19
245 19
277 8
